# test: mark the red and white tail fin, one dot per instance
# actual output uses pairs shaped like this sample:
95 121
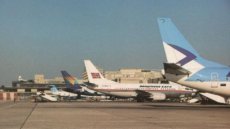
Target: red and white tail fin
94 75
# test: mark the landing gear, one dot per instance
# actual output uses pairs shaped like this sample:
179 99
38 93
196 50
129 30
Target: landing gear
140 99
228 101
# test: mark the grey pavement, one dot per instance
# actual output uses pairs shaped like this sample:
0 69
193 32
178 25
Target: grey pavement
113 115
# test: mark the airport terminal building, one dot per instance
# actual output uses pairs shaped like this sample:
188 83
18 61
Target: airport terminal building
134 76
131 75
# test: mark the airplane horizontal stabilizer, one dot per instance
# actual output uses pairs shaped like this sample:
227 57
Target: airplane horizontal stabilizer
173 68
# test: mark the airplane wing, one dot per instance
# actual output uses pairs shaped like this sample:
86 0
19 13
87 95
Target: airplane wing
175 69
216 98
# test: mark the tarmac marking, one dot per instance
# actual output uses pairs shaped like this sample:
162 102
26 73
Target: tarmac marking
23 124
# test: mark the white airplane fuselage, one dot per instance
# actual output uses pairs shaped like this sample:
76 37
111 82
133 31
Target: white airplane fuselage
129 90
216 87
64 94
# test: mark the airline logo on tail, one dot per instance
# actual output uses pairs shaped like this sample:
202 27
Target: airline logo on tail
68 77
177 49
95 75
228 75
188 55
70 81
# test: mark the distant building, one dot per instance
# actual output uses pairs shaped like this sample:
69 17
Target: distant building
131 76
56 80
38 84
134 76
39 79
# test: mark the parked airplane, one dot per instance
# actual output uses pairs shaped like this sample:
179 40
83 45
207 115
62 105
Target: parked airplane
54 95
73 85
41 96
140 92
186 67
62 93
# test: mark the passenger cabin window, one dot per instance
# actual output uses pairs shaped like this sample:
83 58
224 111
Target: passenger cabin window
222 84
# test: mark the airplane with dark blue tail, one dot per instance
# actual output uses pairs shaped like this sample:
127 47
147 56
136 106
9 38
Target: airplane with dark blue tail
73 85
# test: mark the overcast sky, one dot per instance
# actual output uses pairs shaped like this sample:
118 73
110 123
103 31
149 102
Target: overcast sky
46 36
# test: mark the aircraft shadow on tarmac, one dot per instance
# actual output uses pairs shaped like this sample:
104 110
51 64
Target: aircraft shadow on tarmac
144 106
187 106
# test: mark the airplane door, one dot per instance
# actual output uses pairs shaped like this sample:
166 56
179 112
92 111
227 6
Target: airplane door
214 80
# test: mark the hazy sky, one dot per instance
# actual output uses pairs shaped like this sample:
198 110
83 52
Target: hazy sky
46 36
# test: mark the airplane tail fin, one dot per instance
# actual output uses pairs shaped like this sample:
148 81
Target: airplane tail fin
178 50
53 89
70 81
94 76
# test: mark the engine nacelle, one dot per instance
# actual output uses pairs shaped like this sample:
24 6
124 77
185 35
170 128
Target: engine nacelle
158 96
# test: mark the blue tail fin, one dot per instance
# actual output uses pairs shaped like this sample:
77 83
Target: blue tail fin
70 81
53 88
171 35
177 48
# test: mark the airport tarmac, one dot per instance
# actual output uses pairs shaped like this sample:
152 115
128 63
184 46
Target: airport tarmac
112 115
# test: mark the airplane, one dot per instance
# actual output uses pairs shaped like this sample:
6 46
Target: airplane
54 95
72 85
140 92
41 96
62 93
186 67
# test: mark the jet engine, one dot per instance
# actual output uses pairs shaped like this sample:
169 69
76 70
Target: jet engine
158 96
